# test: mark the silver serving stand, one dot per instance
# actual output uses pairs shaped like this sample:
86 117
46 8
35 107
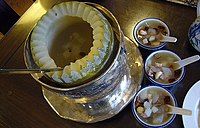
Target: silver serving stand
105 97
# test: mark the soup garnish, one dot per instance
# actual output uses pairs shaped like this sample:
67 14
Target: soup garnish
161 71
150 106
148 35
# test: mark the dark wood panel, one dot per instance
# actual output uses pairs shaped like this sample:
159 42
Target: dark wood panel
1 35
8 17
15 37
19 6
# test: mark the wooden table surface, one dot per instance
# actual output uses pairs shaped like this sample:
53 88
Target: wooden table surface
21 102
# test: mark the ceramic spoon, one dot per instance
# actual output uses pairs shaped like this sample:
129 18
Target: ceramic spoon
179 64
163 38
176 110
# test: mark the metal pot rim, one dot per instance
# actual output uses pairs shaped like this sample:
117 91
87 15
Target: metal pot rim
112 17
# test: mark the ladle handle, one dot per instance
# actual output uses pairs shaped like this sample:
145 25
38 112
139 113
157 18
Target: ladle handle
27 71
188 60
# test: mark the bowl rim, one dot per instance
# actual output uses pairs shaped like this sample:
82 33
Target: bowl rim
163 84
150 19
147 124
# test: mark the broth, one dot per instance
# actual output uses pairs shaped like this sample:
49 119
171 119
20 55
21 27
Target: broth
147 34
163 59
158 115
70 39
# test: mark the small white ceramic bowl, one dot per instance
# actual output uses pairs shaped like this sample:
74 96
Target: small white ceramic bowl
140 120
149 61
149 22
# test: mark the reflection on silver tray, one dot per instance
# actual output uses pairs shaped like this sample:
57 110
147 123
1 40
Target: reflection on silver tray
192 3
109 101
